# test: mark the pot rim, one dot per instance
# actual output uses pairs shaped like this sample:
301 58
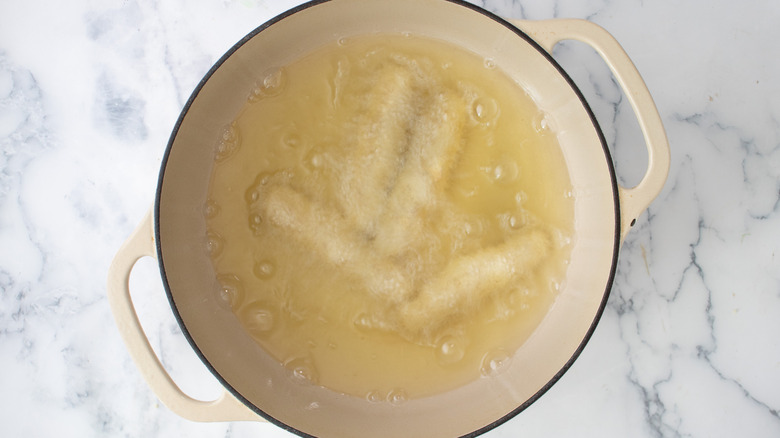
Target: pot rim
498 20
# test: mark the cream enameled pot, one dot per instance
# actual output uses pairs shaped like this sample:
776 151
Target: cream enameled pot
256 387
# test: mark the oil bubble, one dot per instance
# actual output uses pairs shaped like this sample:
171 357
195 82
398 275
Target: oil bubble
210 209
484 110
517 220
364 322
228 144
473 227
255 191
540 123
561 238
301 370
504 173
450 350
291 139
255 222
230 292
314 161
521 197
514 221
258 319
374 397
214 244
397 396
264 269
495 362
272 84
490 64
253 195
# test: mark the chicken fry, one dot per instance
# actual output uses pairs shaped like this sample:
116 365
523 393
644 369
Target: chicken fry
466 281
434 146
325 232
382 140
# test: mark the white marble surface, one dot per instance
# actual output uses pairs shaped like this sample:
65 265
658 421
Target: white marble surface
687 347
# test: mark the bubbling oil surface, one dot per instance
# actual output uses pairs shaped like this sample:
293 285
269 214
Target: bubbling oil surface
389 217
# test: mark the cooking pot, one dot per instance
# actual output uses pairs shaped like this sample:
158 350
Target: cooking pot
256 387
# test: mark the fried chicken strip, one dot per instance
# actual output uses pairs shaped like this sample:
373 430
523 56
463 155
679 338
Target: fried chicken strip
466 281
325 232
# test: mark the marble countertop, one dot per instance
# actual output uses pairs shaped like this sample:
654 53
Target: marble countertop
687 347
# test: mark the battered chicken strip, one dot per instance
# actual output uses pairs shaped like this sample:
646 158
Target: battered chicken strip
325 232
466 281
382 139
434 147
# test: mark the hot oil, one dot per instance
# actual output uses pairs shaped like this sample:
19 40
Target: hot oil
389 217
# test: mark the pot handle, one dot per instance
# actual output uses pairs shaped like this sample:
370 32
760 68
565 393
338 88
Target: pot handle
633 201
141 244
